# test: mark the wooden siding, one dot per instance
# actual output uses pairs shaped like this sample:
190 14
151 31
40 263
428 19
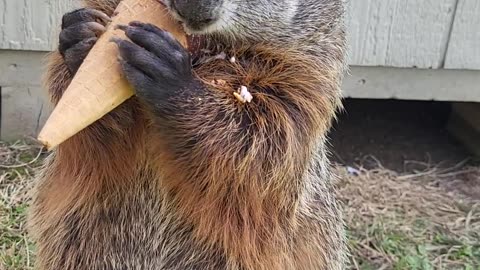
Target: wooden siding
31 24
464 46
393 33
399 33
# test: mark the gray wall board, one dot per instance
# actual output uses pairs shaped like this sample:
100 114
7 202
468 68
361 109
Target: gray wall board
21 68
413 84
396 33
464 46
399 33
24 104
24 110
31 24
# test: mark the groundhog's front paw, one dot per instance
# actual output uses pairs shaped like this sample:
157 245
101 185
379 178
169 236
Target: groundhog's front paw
154 63
80 30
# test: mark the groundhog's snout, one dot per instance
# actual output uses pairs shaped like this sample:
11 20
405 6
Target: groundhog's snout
197 14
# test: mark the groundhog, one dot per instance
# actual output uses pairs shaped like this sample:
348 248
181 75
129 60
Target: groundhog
184 175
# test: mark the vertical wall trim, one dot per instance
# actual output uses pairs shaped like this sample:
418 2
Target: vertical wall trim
450 31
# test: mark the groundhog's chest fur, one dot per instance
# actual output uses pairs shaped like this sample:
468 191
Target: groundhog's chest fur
137 225
131 229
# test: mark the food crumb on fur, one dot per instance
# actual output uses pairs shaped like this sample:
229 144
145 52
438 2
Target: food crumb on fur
233 60
244 95
220 56
219 82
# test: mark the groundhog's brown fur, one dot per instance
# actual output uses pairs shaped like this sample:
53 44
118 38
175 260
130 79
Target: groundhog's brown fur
239 187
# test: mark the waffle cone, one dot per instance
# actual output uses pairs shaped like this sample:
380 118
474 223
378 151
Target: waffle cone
99 86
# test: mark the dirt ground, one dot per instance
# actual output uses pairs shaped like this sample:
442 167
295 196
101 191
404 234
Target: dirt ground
396 133
405 137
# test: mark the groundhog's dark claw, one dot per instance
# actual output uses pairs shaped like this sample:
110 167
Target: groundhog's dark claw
138 79
163 62
80 30
84 15
75 55
121 27
77 33
159 32
160 42
139 58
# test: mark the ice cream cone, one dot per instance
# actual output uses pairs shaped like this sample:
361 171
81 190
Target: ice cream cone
99 86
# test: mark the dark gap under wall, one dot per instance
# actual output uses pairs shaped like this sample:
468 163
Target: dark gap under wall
395 132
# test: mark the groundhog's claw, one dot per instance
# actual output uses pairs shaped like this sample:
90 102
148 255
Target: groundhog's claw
80 30
154 62
84 15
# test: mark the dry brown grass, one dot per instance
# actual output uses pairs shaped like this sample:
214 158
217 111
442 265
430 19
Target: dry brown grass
18 162
395 221
411 221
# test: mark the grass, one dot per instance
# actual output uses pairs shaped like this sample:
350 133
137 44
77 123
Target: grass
416 221
395 221
18 161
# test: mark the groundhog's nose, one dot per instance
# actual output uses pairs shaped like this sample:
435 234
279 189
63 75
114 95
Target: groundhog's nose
197 13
